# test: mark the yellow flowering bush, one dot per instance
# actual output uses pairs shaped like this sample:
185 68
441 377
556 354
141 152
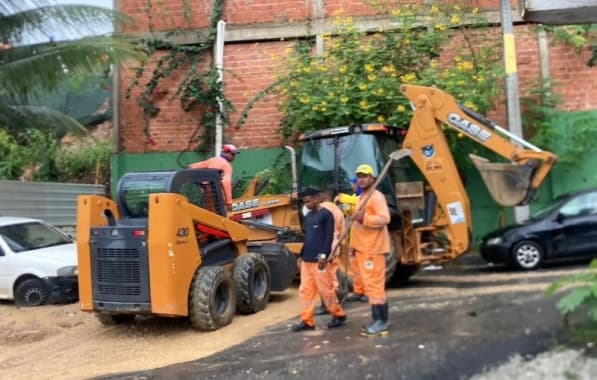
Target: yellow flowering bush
358 78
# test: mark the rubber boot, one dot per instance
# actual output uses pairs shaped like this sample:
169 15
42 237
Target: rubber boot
374 316
379 327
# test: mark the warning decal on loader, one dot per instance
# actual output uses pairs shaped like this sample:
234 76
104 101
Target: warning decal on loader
455 212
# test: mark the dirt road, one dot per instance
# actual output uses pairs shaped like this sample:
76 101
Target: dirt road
61 342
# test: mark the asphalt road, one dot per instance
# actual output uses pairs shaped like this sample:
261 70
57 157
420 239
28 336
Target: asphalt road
449 323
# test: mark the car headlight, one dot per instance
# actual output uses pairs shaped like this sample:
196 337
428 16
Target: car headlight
71 270
494 241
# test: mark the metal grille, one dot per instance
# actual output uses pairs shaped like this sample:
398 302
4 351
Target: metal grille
118 271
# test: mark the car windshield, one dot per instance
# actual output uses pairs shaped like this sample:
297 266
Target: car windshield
34 235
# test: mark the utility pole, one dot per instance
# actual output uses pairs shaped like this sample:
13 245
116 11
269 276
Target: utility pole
512 96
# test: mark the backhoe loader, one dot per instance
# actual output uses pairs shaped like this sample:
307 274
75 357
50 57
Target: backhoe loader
166 247
430 209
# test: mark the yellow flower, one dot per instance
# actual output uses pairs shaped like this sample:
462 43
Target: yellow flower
293 83
323 68
315 107
362 86
400 108
471 105
306 69
457 58
434 9
440 27
457 7
434 64
323 109
331 94
408 77
344 99
304 99
455 20
363 104
324 103
465 66
325 82
342 69
369 68
288 50
379 91
388 69
371 77
381 118
396 12
475 10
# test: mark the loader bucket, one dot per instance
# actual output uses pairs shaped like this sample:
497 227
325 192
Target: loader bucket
508 184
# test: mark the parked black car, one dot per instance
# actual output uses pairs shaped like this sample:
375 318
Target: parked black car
565 229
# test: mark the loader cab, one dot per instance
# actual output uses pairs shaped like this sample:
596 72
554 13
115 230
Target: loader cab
202 187
330 156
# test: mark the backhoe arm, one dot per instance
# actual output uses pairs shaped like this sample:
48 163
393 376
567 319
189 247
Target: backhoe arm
509 184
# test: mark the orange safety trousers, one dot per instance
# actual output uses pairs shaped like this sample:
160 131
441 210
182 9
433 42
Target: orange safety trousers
372 268
316 283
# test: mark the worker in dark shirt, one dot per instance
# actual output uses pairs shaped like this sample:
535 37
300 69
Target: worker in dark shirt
317 277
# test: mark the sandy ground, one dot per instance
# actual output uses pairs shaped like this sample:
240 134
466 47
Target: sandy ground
61 342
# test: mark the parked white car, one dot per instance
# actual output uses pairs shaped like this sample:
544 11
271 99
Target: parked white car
38 263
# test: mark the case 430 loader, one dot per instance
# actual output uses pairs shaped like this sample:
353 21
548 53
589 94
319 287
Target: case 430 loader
165 247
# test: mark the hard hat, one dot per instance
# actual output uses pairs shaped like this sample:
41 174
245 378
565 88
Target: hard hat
230 148
365 169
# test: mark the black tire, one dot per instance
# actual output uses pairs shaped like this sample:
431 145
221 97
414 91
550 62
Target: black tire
32 292
403 273
115 319
253 283
212 299
527 255
391 261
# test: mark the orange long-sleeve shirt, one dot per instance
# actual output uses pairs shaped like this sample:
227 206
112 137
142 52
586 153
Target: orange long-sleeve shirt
338 220
372 236
222 164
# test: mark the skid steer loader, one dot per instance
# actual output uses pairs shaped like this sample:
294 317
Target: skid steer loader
165 247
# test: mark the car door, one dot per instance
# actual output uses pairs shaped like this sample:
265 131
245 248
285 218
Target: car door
4 271
578 219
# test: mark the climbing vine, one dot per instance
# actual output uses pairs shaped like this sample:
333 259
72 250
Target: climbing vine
199 88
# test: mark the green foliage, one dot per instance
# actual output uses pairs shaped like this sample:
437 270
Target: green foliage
577 36
278 179
199 89
82 161
357 78
12 157
36 155
584 295
30 150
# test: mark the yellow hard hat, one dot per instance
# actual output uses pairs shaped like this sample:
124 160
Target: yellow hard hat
365 169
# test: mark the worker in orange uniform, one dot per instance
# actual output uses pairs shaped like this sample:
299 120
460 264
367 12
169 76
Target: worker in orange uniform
327 197
316 273
349 203
370 240
222 162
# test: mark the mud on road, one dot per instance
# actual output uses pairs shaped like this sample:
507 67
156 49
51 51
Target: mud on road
61 342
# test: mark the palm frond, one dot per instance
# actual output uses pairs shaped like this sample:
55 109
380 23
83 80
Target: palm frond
48 20
32 69
18 118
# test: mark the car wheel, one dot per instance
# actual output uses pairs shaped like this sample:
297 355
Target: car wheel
527 255
32 292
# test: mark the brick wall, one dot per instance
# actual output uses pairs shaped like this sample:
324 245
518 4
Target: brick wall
254 66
